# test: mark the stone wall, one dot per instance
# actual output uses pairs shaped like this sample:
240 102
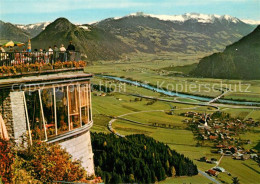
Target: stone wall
80 148
13 113
6 111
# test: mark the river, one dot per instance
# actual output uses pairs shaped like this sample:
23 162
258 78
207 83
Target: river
171 93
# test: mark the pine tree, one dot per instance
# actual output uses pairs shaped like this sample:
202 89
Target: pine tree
235 180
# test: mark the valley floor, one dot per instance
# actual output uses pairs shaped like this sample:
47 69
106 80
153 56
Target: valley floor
106 106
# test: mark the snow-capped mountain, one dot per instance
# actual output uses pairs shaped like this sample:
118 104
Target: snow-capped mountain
33 29
190 32
198 17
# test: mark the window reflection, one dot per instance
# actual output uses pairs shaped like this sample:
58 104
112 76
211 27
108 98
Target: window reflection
62 109
48 110
84 103
73 96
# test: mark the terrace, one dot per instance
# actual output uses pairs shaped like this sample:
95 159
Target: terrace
29 63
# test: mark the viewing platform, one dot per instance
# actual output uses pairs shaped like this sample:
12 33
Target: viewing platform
15 64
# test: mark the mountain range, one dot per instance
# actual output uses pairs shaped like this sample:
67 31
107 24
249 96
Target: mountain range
33 29
138 32
240 60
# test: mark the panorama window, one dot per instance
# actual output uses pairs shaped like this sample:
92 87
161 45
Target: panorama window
57 110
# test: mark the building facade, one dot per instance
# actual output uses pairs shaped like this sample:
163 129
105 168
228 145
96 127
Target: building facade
54 107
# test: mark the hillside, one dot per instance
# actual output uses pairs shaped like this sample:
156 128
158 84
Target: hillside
188 33
240 60
94 42
137 159
9 31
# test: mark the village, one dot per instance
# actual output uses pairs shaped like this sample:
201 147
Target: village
222 132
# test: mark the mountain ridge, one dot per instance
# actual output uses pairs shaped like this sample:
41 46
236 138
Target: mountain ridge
94 42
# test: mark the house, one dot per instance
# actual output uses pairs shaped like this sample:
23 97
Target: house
252 156
228 153
213 137
212 172
245 156
203 159
219 169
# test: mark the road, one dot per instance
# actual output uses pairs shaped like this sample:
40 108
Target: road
209 177
218 97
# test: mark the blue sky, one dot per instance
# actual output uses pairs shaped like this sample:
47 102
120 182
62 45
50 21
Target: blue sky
86 11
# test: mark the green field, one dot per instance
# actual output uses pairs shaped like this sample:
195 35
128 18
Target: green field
180 180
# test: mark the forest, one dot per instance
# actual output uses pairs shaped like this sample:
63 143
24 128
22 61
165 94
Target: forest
137 158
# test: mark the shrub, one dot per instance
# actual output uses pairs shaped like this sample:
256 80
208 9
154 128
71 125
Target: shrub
6 161
49 163
38 163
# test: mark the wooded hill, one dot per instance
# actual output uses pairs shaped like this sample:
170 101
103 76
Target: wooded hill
137 159
240 60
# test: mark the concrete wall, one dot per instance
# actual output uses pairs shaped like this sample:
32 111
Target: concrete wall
18 114
80 148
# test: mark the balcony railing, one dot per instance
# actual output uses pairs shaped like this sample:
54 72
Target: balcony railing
14 58
20 63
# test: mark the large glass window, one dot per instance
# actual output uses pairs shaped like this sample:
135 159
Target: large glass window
74 114
62 109
35 115
84 103
89 102
47 96
57 110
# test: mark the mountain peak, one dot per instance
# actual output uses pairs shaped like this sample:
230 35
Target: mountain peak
61 24
62 20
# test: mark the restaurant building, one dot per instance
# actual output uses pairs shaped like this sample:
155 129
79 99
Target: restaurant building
50 103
